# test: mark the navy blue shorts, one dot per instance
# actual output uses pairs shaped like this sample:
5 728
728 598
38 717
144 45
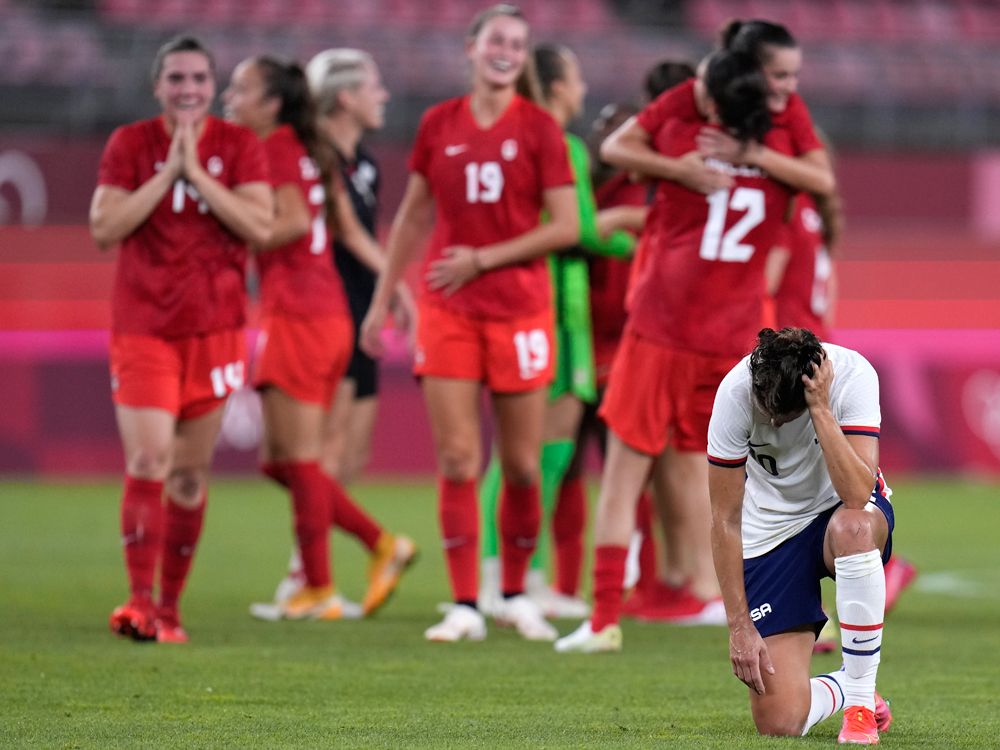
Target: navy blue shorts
783 585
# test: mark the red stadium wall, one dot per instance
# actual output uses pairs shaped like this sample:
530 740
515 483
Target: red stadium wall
919 281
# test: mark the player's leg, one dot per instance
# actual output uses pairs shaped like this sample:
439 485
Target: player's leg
293 429
519 420
569 521
784 599
681 479
390 554
784 707
337 430
453 409
186 491
854 545
147 436
561 422
625 473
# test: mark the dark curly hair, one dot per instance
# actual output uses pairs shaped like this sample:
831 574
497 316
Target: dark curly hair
777 365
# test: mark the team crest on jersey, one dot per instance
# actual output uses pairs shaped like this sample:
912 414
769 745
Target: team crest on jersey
308 169
214 166
811 220
508 149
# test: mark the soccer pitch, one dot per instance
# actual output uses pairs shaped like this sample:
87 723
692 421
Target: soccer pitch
68 683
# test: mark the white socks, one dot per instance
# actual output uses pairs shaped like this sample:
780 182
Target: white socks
827 697
860 609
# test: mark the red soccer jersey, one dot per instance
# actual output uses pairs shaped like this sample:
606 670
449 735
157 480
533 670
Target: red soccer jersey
299 278
488 187
701 287
181 272
609 277
802 300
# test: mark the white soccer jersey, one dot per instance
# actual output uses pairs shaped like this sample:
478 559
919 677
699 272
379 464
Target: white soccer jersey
787 480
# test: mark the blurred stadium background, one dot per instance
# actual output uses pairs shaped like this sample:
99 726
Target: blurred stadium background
908 90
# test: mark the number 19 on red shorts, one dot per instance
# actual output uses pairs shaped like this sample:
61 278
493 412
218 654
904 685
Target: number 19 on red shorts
508 356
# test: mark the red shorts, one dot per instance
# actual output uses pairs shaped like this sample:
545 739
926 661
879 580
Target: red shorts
509 356
658 396
304 357
188 377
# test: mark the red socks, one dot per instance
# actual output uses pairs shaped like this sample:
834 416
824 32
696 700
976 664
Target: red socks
349 516
609 572
142 532
568 525
647 550
458 511
276 470
311 511
183 528
520 518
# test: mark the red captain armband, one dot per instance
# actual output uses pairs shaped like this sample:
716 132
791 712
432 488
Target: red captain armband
728 463
859 430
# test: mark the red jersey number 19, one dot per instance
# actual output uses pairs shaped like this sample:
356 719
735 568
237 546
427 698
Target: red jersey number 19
727 247
483 182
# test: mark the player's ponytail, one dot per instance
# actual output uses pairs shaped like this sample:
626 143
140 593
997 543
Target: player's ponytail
286 81
738 88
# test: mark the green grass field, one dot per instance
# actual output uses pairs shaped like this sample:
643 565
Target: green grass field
68 683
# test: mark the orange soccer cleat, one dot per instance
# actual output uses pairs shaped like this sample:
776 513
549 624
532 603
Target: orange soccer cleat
860 727
390 559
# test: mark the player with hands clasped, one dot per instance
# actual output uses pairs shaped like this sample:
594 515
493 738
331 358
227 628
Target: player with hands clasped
797 495
183 194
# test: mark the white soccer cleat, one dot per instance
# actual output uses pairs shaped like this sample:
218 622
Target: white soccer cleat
461 623
559 606
293 581
554 604
490 599
583 640
522 614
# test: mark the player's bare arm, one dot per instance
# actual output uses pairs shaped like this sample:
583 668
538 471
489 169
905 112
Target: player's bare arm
852 460
811 172
461 264
410 228
291 218
115 212
628 218
630 148
747 651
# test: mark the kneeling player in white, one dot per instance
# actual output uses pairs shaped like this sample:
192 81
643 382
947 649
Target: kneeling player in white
810 502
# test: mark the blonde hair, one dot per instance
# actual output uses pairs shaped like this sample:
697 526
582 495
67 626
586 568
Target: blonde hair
334 70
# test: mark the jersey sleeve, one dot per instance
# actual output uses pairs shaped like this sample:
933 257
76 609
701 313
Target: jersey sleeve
420 157
669 104
800 125
729 427
619 244
856 403
251 164
283 161
552 155
118 167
